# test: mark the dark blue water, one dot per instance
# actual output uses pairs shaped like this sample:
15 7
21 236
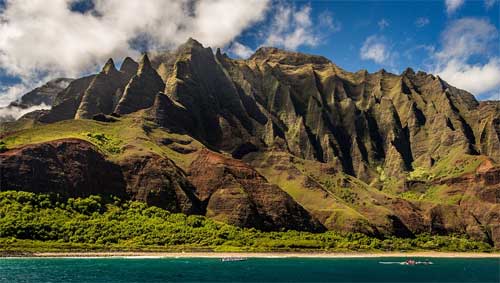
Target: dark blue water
110 270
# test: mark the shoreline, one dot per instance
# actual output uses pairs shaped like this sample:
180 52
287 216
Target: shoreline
250 255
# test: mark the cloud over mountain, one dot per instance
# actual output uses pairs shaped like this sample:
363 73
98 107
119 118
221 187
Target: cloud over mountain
462 41
42 39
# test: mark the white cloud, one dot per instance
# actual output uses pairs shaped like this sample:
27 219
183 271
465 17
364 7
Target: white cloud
476 79
420 50
11 93
327 21
240 50
467 39
292 28
382 24
375 48
489 3
453 5
422 22
45 39
14 113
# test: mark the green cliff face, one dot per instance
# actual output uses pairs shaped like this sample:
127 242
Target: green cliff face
103 93
140 91
284 140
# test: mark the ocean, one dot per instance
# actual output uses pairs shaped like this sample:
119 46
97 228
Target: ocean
111 270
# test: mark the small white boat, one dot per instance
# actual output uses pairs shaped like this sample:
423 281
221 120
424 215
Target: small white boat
227 259
408 262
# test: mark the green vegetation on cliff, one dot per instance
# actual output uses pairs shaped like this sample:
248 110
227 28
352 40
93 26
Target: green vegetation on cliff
3 147
46 222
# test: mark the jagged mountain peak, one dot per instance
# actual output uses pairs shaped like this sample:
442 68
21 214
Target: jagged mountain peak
218 93
109 67
382 72
408 72
277 55
221 56
307 125
129 66
190 46
144 64
193 43
142 88
363 72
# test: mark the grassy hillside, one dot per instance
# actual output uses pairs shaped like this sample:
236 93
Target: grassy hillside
42 222
127 136
340 202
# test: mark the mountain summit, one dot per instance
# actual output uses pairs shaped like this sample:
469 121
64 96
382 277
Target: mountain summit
282 140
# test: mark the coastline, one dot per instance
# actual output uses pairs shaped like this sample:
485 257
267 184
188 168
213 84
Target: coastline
250 255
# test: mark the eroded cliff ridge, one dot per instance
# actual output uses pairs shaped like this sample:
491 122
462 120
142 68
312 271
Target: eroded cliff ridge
281 140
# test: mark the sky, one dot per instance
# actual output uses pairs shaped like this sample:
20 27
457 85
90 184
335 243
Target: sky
455 39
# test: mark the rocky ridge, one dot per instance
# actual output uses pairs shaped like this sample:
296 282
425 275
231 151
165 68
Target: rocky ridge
42 96
292 141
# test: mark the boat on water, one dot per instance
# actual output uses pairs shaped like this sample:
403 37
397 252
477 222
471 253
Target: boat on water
408 262
227 259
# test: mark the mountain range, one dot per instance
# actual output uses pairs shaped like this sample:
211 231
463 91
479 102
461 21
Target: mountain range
281 140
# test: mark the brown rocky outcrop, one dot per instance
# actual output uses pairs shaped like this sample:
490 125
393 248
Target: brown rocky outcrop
157 181
68 167
74 168
235 193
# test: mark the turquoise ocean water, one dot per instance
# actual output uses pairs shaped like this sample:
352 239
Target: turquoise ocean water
111 270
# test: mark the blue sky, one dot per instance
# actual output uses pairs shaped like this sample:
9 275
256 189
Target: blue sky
457 39
411 32
361 20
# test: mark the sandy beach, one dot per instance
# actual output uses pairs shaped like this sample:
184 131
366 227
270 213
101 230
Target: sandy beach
262 255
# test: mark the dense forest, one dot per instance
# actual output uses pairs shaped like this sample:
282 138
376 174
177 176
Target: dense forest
31 222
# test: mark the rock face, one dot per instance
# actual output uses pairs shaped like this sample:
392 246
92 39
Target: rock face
45 94
221 188
67 101
42 96
488 118
479 203
157 181
302 104
140 92
311 108
91 95
301 143
68 167
235 193
166 113
74 168
129 67
103 93
200 85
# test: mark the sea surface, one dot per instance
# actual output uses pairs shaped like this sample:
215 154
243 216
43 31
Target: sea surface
111 270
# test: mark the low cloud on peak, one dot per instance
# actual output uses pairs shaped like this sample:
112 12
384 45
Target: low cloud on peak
46 39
